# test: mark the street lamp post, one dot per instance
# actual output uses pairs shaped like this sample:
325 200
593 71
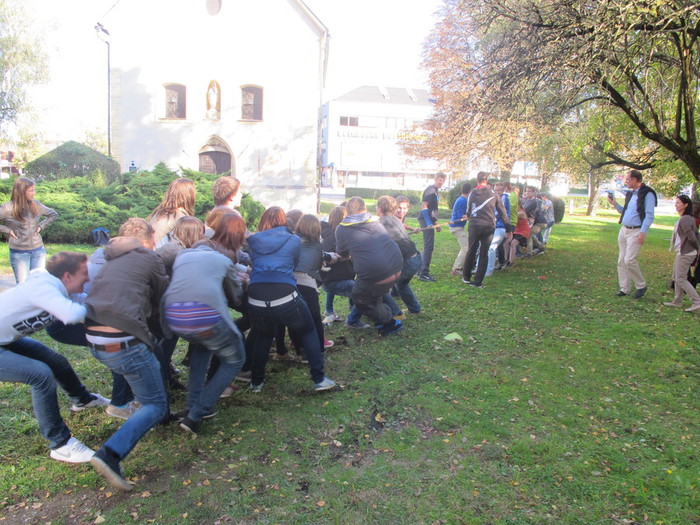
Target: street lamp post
103 35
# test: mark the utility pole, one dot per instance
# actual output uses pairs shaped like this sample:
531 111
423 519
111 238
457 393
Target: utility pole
103 35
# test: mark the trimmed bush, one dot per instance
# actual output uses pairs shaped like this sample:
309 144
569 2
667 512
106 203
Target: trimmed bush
73 159
559 208
414 196
456 191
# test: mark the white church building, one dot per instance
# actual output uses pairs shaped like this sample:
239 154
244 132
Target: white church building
220 87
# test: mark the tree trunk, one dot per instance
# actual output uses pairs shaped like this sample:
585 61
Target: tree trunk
593 185
544 181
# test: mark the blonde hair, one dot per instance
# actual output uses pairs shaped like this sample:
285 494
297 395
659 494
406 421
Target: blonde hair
224 188
21 206
179 195
355 205
137 228
309 228
188 230
386 204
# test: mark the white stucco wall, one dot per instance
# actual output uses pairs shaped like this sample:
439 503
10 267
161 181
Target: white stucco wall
268 43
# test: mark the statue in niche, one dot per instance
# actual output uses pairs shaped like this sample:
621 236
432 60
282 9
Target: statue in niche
213 101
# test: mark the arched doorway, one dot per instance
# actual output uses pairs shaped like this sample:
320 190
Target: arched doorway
215 158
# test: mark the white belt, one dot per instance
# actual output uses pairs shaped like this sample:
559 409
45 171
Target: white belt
275 302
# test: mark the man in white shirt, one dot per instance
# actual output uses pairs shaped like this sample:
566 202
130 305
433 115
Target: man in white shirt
637 215
27 308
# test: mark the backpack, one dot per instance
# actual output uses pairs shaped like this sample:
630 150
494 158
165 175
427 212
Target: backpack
100 236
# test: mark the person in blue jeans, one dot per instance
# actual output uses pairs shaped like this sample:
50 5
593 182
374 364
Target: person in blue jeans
500 232
386 206
338 276
25 218
377 261
28 308
195 307
122 403
273 298
124 295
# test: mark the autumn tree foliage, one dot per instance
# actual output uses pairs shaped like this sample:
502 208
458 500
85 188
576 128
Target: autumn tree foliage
503 68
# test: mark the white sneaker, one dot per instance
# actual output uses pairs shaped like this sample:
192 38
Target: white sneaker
97 401
330 317
72 452
123 413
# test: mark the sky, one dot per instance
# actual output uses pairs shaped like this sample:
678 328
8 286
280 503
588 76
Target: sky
372 42
375 42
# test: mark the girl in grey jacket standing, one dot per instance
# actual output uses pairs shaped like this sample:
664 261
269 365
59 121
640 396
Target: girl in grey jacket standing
686 244
25 218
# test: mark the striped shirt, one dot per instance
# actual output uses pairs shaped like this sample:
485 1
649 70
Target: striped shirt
191 316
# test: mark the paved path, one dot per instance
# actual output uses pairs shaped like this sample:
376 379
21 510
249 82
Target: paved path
6 281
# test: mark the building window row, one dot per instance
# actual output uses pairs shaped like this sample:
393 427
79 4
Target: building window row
377 122
176 102
349 121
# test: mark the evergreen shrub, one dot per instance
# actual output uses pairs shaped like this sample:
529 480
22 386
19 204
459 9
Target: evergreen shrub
73 159
83 205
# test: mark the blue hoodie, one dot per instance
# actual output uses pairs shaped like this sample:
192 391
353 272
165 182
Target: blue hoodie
275 253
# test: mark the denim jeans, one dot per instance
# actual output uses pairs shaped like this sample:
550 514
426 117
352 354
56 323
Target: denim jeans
295 315
74 334
344 288
227 344
141 369
23 262
330 297
62 370
499 235
534 238
546 232
16 368
410 268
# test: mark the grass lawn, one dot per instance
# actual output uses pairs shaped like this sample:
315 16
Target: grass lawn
561 404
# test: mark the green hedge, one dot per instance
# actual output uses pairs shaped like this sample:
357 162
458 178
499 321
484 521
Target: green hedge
414 196
83 205
581 201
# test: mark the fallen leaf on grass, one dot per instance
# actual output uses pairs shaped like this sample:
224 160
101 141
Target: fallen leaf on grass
454 336
320 503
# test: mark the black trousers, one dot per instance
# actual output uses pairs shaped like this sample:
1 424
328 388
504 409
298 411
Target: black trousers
480 238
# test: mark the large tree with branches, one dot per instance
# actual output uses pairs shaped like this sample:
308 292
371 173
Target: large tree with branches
22 61
498 65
